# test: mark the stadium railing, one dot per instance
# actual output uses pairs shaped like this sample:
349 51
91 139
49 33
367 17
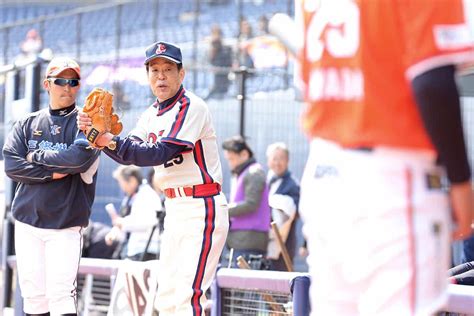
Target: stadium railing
256 292
253 292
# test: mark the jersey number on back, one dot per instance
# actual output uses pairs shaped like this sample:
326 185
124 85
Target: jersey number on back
333 33
334 29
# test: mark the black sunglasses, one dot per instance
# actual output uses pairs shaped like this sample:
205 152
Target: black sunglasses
63 82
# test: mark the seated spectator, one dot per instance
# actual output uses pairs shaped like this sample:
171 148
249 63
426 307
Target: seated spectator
248 208
263 25
32 45
283 198
220 56
94 244
138 218
242 56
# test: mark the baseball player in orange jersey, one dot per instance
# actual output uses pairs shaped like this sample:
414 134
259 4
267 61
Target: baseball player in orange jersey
383 108
177 137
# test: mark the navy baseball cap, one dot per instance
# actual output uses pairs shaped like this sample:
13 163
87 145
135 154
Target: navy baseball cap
164 50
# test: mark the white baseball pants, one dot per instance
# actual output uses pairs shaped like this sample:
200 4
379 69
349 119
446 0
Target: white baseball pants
191 246
378 230
47 264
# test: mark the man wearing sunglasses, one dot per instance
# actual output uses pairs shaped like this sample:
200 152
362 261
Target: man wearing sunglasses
55 169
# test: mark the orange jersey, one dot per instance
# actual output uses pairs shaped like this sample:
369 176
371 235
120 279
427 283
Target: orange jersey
359 57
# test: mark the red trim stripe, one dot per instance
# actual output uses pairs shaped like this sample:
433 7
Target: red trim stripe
160 112
178 123
205 250
176 141
411 238
201 162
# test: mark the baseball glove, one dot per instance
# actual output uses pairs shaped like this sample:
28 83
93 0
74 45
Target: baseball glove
99 108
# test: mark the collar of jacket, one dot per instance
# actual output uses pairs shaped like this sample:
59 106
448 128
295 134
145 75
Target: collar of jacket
62 112
240 168
166 103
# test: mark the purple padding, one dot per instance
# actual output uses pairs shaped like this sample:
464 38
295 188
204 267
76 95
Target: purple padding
460 299
274 281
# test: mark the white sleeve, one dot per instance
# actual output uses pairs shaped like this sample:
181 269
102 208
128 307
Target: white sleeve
285 203
141 128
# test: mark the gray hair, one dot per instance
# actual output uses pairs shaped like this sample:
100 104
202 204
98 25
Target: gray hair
278 145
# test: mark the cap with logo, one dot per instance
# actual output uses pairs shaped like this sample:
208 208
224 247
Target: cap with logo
59 64
163 50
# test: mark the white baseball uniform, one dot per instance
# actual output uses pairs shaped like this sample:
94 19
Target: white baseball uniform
195 227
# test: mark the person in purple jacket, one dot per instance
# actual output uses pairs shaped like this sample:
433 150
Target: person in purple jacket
249 211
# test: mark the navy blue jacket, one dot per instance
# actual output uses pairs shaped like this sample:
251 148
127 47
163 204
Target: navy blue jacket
57 146
290 187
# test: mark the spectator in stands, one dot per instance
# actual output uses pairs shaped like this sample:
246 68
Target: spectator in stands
32 45
263 25
248 209
283 198
220 56
138 216
242 56
95 245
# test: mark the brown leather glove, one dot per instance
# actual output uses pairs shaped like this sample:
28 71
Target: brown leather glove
99 108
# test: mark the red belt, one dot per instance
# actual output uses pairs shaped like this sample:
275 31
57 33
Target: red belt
196 191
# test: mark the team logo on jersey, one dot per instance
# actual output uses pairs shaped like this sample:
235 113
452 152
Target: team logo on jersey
47 145
32 144
153 138
161 49
55 129
37 133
